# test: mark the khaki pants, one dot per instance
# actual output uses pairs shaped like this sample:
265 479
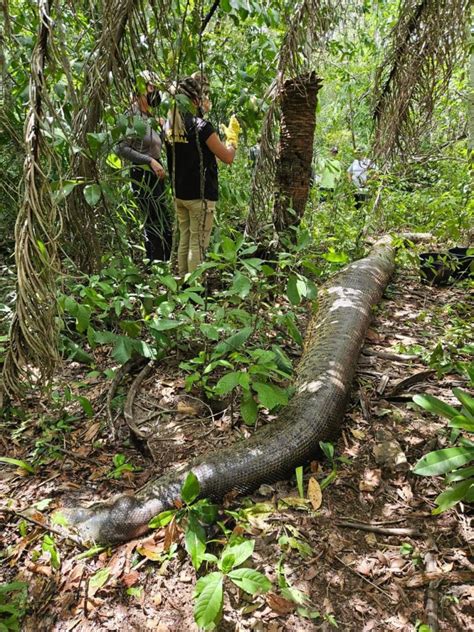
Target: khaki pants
195 219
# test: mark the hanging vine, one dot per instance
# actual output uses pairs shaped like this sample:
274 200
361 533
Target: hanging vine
427 44
33 340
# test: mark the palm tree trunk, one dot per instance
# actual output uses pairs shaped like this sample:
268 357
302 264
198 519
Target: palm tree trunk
298 100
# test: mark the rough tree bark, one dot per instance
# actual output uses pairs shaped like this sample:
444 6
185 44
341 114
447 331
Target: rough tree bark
81 218
33 334
298 100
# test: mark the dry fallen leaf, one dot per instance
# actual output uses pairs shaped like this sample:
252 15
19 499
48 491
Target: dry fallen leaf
370 481
358 434
187 408
280 604
130 578
171 534
314 493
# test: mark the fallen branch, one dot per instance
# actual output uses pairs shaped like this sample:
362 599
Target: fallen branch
44 526
126 368
132 393
363 526
432 596
424 579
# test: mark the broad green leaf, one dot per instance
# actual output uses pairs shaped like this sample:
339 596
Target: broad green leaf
241 551
443 461
452 496
83 316
206 512
195 540
86 405
162 519
293 329
249 410
328 449
299 480
22 464
163 324
92 194
226 563
462 422
209 331
435 405
209 599
241 285
100 578
466 400
230 381
234 342
270 395
292 290
250 580
190 488
460 475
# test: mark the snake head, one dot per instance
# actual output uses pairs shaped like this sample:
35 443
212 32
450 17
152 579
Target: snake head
121 519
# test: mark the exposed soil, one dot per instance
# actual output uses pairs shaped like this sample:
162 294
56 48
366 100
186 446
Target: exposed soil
363 580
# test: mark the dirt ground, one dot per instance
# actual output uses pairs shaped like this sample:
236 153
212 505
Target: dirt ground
370 576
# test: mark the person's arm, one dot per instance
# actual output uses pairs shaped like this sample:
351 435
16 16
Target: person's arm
124 149
226 153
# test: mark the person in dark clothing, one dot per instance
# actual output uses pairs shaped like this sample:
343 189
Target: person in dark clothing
148 185
192 146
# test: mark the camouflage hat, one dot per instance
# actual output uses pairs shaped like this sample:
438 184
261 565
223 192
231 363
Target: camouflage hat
191 88
149 76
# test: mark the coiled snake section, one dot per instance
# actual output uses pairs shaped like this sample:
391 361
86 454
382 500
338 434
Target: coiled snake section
323 380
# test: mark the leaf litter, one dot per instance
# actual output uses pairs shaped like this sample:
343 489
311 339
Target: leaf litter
322 574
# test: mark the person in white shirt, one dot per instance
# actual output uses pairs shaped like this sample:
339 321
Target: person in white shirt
358 173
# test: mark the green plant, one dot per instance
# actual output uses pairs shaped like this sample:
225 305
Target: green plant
120 466
209 591
454 462
13 605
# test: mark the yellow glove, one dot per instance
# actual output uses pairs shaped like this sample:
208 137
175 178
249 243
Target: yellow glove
232 131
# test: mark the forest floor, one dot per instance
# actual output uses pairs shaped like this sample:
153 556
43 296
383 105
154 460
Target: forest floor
370 576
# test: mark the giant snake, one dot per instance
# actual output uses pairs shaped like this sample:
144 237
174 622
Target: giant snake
334 339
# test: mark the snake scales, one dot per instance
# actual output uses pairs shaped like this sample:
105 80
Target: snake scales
323 379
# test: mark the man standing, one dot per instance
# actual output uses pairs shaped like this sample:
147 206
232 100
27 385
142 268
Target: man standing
358 174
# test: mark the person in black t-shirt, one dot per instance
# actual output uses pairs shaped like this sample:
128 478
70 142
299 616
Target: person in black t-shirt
192 146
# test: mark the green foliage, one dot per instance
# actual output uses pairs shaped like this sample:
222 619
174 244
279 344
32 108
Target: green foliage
13 605
209 590
452 462
120 466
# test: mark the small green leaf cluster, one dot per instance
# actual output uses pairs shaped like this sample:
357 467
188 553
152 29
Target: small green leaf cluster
13 605
120 466
454 462
209 590
228 328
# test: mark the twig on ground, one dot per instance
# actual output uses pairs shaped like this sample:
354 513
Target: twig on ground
384 592
404 384
424 579
128 367
44 526
132 393
377 529
432 594
389 355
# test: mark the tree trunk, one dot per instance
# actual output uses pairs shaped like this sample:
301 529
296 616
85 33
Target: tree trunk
298 100
81 218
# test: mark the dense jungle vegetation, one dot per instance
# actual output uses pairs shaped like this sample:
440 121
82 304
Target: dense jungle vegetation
115 368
